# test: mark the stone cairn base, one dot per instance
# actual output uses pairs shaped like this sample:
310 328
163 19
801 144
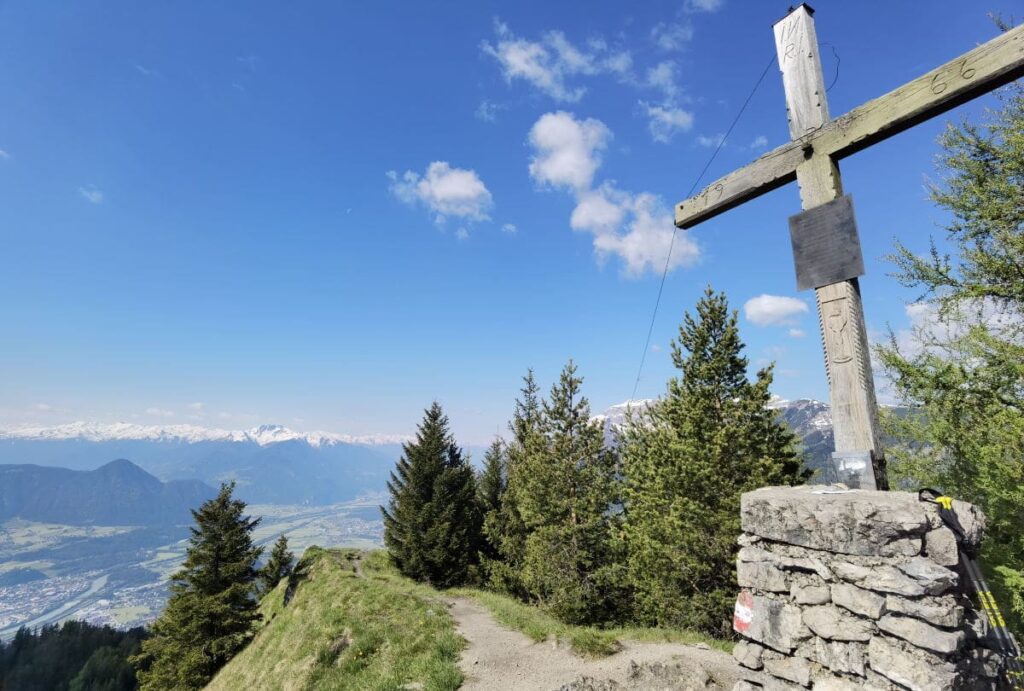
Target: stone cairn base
852 589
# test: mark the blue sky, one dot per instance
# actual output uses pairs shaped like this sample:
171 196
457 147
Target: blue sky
326 215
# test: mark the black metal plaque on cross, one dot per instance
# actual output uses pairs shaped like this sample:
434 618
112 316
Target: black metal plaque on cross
826 246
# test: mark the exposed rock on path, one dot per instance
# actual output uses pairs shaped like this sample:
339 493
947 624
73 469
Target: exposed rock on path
498 658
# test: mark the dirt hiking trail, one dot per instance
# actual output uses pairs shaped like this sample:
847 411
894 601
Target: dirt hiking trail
499 659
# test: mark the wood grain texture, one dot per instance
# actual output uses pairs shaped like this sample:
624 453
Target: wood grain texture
987 67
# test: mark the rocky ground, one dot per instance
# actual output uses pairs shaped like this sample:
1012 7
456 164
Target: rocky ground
498 658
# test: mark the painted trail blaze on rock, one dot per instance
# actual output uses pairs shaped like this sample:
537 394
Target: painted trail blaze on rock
744 612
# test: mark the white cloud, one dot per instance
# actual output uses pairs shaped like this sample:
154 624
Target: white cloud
462 234
635 227
712 141
509 228
703 5
567 150
91 193
760 142
655 348
930 330
42 408
159 412
197 407
638 228
445 191
671 36
664 122
773 310
797 333
663 77
487 111
4 155
549 63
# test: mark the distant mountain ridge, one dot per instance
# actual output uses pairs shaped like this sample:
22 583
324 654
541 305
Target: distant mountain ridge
271 464
263 435
809 419
117 493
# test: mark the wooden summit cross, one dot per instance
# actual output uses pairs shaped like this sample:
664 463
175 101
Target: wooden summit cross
826 247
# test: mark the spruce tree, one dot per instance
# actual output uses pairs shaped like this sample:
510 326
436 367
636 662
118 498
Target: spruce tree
506 528
490 490
278 567
432 523
686 461
565 494
212 611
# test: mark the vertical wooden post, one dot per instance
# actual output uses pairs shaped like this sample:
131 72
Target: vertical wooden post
840 313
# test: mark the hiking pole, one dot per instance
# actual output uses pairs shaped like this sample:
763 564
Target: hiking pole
1004 638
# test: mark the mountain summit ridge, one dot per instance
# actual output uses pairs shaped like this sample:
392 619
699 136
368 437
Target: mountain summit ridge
263 435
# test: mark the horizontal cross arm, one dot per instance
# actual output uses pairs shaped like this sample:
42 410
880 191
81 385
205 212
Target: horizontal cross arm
987 67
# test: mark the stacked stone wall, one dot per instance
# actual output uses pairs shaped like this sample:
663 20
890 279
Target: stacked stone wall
851 589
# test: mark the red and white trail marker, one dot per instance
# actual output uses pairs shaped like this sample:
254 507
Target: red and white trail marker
744 612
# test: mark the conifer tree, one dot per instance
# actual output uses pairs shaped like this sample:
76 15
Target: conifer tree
490 490
278 567
960 369
686 461
212 611
506 528
432 523
565 493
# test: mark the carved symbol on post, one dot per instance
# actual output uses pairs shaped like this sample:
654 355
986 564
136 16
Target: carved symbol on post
837 327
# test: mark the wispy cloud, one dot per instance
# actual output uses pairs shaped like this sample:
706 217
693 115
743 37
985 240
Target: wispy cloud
444 191
159 412
91 193
760 142
773 310
636 227
712 141
551 62
797 333
672 36
487 111
664 122
4 156
509 228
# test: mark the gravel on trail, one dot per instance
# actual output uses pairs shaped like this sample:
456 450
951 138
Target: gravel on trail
498 658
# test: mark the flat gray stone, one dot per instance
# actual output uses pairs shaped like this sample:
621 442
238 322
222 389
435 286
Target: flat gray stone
840 657
935 579
835 624
885 578
972 520
762 576
793 669
921 634
858 522
857 600
774 623
809 590
748 654
940 546
940 611
914 669
756 554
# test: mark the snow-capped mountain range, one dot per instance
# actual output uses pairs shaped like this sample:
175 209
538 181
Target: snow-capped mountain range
264 435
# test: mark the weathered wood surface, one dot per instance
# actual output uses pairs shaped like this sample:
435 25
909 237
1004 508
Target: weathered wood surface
840 313
987 67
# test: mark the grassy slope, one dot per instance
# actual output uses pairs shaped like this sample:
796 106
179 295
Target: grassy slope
343 631
381 631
